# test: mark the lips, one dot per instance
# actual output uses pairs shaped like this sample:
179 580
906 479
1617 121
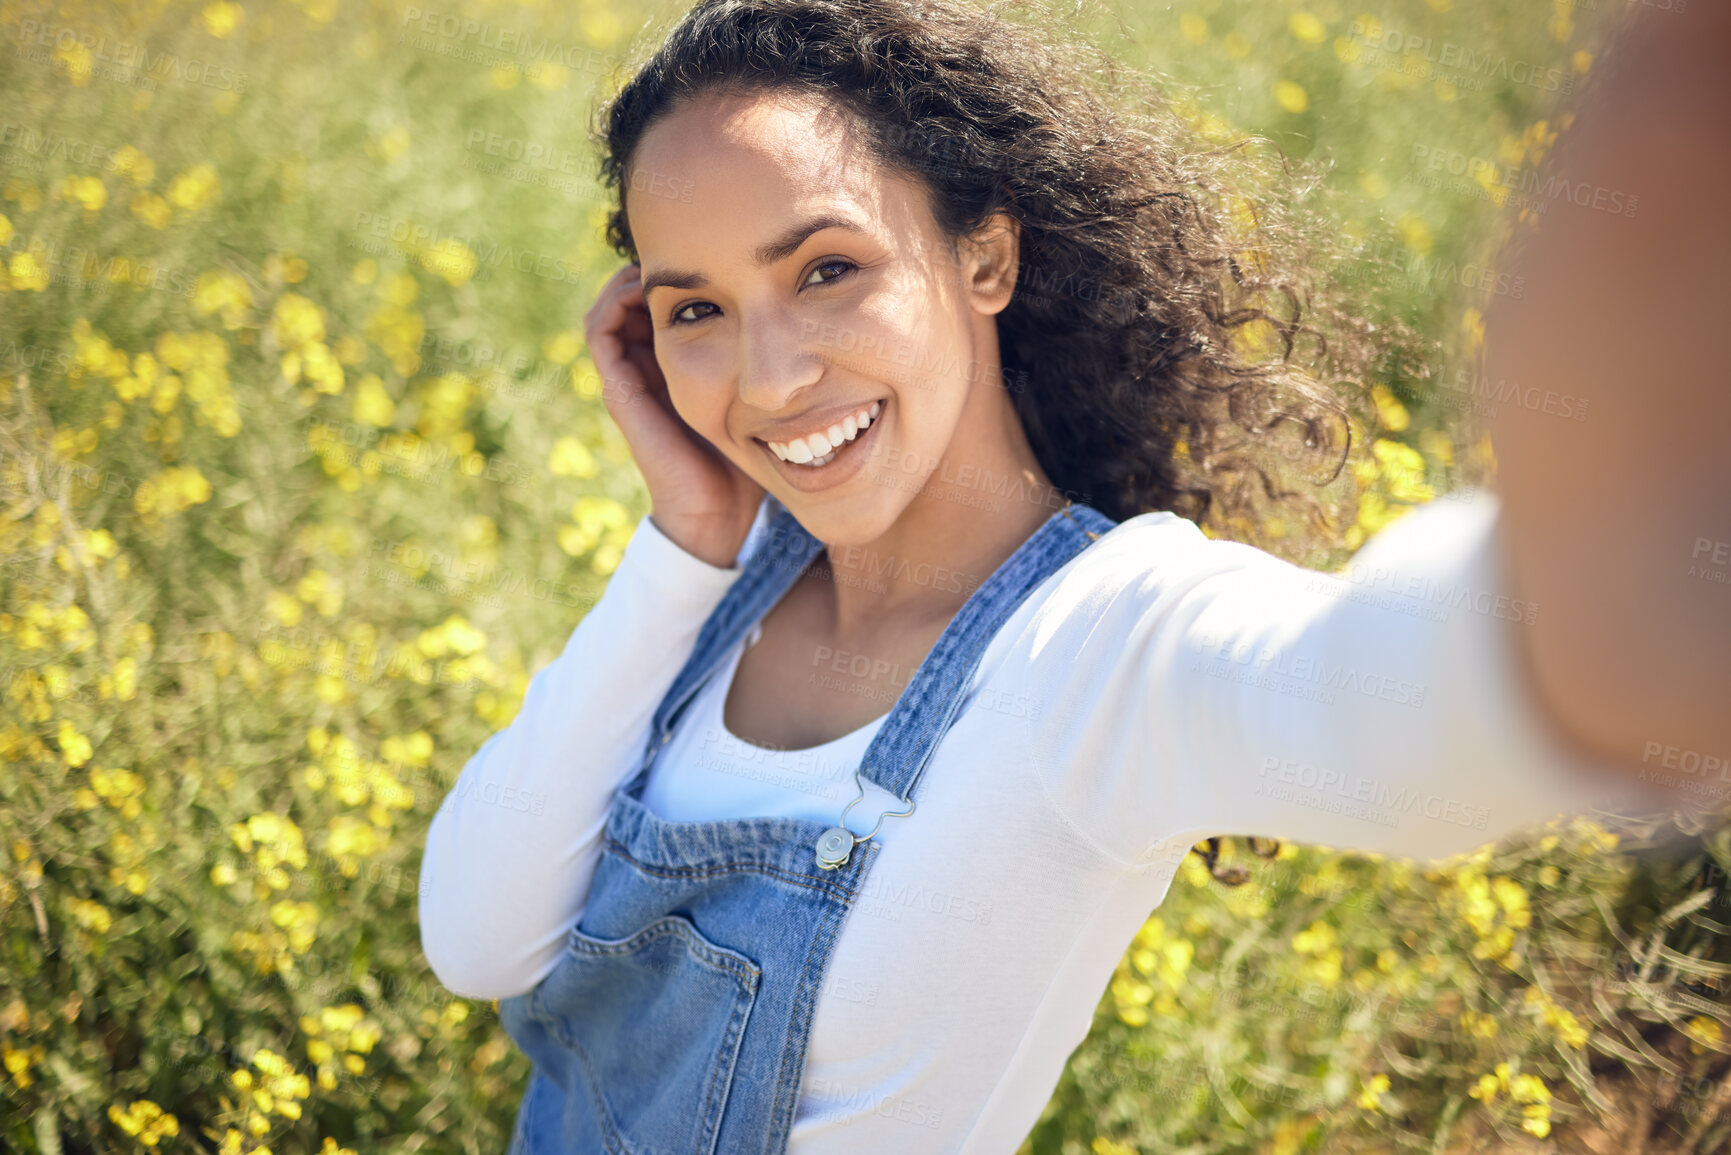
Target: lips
842 459
818 448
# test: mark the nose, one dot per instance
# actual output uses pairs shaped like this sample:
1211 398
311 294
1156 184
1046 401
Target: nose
775 364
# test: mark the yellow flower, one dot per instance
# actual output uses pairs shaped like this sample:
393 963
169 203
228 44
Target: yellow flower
296 321
300 920
101 543
1569 1029
1307 28
91 915
74 747
1415 233
221 290
1291 96
284 608
1528 1088
1704 1034
194 188
86 190
351 837
1317 938
133 163
145 1121
373 405
1478 1024
572 459
174 490
414 749
450 259
18 1063
1389 409
600 520
1370 1096
453 635
28 273
320 590
221 18
562 347
151 209
1397 469
322 368
393 143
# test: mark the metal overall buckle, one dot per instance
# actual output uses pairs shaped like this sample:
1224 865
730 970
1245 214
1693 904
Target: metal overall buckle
835 845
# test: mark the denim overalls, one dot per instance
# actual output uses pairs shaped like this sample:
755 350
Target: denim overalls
676 1021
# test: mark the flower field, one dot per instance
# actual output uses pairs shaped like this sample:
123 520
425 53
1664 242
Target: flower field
304 470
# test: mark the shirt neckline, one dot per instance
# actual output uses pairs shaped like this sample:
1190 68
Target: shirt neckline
725 682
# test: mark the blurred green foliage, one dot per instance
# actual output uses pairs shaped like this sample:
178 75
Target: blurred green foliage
304 471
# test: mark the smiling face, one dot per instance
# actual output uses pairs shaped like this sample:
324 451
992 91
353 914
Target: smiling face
812 320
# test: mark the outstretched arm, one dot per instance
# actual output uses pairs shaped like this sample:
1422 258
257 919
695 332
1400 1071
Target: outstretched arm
1620 526
1216 689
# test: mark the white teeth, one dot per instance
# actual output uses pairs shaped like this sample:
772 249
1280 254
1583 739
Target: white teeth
817 449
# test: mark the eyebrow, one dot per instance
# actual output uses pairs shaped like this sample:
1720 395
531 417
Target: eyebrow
767 253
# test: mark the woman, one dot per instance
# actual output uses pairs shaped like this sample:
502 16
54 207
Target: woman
912 692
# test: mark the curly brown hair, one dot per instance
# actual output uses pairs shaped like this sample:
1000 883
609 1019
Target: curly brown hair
1152 346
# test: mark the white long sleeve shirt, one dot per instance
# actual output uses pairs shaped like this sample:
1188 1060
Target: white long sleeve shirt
1160 688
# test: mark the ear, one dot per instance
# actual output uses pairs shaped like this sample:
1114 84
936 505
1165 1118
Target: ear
989 261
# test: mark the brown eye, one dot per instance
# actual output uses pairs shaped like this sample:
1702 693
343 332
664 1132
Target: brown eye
838 269
679 315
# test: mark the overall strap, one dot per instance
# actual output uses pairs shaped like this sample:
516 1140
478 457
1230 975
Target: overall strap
769 573
928 706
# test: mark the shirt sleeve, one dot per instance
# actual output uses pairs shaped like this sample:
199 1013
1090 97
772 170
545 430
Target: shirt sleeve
512 849
1217 689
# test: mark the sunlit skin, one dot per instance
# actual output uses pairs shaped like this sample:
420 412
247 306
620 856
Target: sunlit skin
762 329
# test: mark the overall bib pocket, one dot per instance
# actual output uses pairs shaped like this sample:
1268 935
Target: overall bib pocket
654 1022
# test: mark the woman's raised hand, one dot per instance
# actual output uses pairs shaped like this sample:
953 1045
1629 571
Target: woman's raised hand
699 499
